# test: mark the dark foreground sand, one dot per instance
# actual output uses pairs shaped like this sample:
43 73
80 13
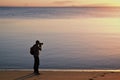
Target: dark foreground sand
59 75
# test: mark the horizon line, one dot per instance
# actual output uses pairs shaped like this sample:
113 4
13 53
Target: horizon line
67 6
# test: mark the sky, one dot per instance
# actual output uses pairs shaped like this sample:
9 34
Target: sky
59 2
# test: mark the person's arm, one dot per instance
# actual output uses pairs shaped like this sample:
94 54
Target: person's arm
40 48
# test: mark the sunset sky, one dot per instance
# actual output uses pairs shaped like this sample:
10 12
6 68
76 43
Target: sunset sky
59 2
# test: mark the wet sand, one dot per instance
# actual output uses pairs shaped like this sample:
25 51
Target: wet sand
59 75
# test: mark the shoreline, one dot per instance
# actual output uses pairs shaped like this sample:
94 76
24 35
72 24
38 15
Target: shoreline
60 75
66 70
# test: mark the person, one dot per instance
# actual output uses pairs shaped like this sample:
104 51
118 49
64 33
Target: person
36 47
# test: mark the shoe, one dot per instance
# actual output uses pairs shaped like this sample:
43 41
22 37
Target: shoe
37 73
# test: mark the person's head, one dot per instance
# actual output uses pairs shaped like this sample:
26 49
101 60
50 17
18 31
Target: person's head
37 42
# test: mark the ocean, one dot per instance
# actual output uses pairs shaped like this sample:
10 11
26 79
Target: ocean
73 37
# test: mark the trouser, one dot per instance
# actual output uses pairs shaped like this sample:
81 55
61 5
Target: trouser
36 64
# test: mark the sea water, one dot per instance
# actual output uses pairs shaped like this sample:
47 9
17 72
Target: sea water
73 37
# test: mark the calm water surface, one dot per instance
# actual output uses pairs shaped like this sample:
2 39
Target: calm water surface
74 38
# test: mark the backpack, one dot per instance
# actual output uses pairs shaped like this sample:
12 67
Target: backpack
32 50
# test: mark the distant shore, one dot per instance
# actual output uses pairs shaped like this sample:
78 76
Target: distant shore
60 75
60 6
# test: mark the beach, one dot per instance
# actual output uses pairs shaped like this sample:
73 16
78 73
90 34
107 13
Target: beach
60 75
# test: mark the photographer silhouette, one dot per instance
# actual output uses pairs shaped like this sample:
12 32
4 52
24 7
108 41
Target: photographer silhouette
34 50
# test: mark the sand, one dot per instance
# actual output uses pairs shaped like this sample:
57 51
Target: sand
59 75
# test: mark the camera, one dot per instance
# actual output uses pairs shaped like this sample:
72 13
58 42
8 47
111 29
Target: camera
40 44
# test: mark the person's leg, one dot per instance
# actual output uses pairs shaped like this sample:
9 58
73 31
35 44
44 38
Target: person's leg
34 67
36 64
